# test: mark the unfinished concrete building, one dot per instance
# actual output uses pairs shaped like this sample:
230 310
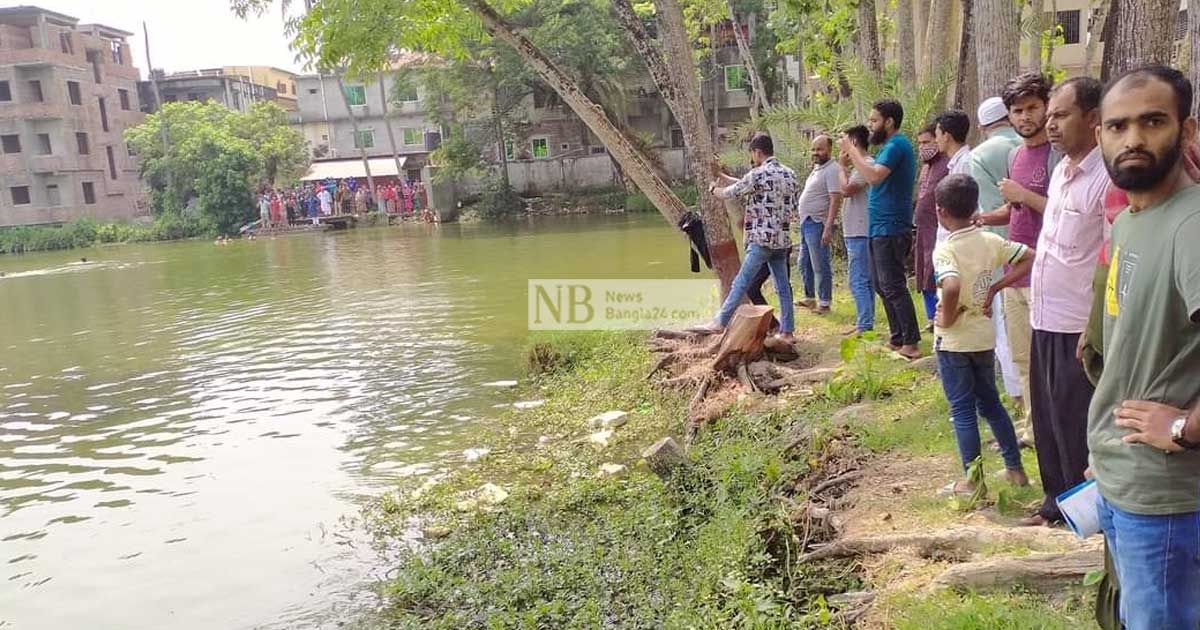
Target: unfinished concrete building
68 92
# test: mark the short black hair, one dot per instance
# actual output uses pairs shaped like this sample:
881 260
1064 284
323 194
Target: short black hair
890 109
859 135
930 129
956 123
1088 92
1172 77
958 194
762 142
1027 84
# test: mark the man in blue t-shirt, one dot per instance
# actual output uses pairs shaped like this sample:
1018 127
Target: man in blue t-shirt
890 213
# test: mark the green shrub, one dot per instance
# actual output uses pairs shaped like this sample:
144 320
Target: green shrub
498 201
85 232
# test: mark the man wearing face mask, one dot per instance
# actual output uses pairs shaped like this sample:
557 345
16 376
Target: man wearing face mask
934 168
1144 420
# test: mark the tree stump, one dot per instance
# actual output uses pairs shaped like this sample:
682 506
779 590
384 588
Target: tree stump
743 338
664 456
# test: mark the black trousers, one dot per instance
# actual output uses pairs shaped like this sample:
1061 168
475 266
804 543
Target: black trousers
756 285
1060 394
889 257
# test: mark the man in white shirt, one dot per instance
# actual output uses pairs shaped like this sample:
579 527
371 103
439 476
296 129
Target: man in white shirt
817 214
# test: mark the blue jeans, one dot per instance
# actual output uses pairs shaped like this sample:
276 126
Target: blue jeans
969 380
1158 566
811 247
858 251
756 257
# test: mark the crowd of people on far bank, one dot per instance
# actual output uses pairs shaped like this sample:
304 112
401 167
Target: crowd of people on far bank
307 203
1066 248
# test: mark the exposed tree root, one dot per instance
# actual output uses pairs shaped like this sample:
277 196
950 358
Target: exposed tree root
953 542
1039 570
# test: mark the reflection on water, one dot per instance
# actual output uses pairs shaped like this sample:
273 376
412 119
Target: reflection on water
185 428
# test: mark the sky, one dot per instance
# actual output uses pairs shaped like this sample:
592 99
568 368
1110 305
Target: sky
187 34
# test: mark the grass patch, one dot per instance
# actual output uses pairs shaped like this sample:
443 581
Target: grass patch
1018 610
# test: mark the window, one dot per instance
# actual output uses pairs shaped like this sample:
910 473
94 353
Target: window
735 78
598 151
35 92
356 95
44 147
412 135
81 140
64 42
93 57
294 89
11 143
73 93
112 162
677 138
407 93
52 196
564 146
509 152
312 90
5 91
281 87
124 94
116 48
1069 21
89 193
103 114
364 139
20 195
541 148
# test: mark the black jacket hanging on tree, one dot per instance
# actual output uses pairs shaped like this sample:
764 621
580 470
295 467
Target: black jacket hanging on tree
691 225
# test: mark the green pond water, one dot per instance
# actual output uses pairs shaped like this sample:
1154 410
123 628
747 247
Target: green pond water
187 431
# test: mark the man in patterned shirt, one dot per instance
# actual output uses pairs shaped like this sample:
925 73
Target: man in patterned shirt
772 189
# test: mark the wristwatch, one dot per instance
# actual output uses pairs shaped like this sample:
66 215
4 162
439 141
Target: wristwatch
1177 428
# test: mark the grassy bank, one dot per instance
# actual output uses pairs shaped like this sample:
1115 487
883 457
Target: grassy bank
86 232
715 547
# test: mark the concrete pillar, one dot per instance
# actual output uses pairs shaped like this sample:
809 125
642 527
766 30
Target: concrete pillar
443 198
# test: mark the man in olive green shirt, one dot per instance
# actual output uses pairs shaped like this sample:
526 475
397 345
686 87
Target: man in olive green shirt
989 160
1144 421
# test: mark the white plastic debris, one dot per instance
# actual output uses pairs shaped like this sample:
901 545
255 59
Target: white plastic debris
608 420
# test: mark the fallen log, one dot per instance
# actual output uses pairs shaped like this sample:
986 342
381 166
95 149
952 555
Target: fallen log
961 540
1037 571
664 457
836 481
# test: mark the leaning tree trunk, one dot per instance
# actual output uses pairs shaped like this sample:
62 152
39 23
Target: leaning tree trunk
1038 9
906 41
966 88
758 100
1097 29
868 37
938 43
1193 35
1143 34
357 139
681 91
997 44
636 165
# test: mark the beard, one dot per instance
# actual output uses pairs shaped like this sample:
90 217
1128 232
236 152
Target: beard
1140 178
820 159
1031 134
878 137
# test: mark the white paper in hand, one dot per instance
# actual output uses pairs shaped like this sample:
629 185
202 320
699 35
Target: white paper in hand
1080 508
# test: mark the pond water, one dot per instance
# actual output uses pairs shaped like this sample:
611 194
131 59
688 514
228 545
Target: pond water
186 429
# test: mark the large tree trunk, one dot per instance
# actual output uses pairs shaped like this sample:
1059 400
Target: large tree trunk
354 124
1193 35
1143 34
906 40
997 44
1096 30
868 37
938 42
966 88
758 99
1034 43
681 91
631 159
1107 60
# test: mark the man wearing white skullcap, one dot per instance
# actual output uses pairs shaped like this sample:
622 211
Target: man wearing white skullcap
989 165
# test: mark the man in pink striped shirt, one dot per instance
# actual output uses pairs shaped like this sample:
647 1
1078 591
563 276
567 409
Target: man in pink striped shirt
1061 292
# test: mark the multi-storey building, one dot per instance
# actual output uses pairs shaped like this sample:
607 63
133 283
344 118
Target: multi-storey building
235 91
282 81
68 91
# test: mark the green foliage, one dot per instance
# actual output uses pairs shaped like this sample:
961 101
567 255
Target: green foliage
977 478
499 200
215 157
863 374
639 202
947 610
85 232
